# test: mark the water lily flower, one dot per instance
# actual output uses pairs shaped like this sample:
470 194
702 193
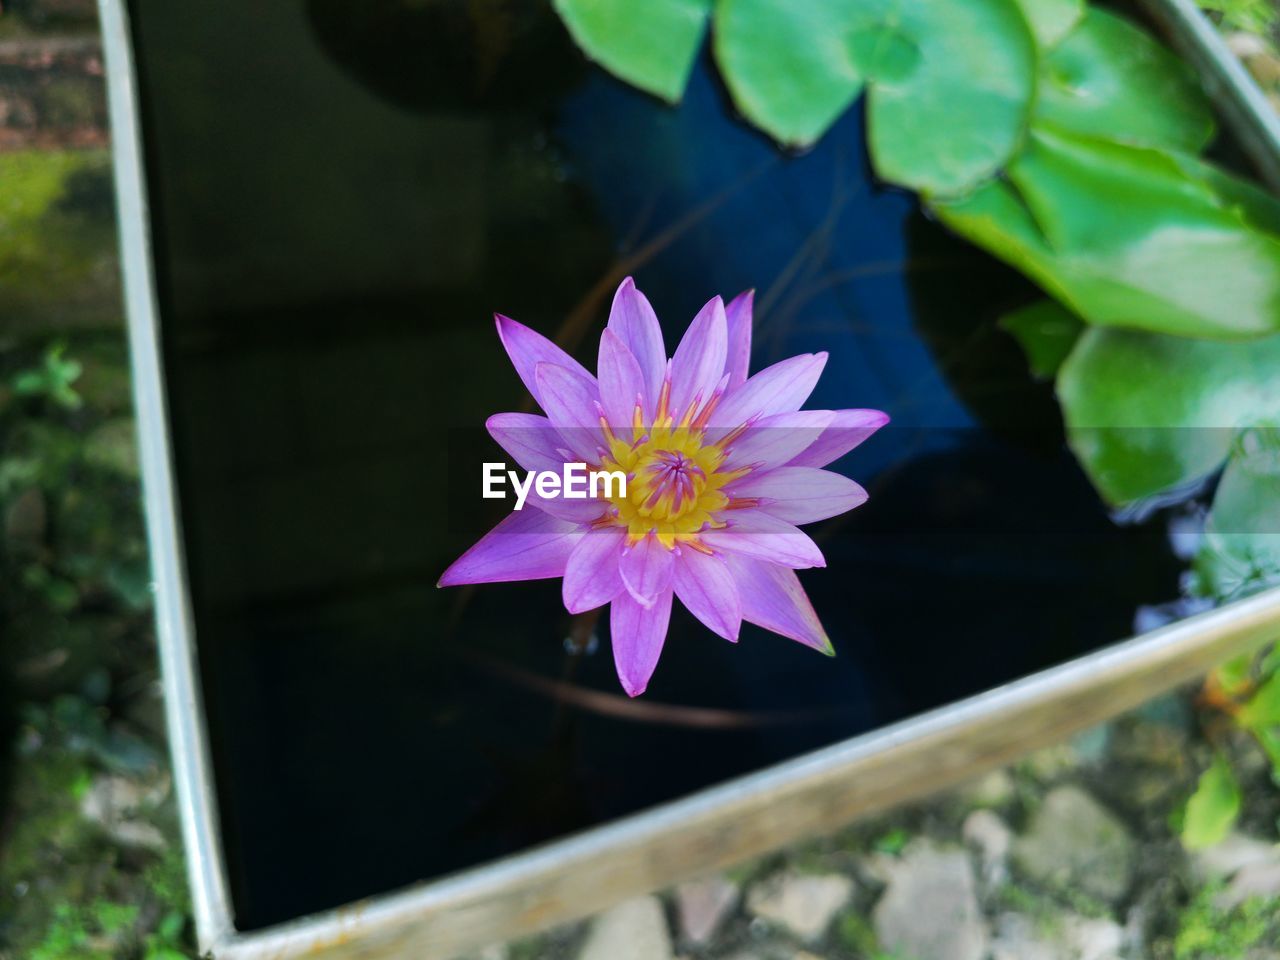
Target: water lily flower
720 469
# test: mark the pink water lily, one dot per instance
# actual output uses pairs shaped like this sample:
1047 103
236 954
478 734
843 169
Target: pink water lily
720 469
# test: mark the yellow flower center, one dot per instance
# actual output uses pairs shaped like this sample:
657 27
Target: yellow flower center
674 476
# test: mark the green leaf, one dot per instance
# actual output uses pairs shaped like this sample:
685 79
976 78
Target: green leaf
1240 553
1051 20
1046 331
790 66
1126 236
952 83
1253 205
1271 662
1235 676
1262 712
1110 79
1146 413
1213 808
651 44
957 117
1270 743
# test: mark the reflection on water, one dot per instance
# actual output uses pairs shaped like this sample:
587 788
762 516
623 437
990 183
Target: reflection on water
336 220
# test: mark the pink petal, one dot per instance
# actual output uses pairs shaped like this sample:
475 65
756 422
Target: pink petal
774 441
635 323
705 585
526 545
528 348
646 569
773 598
738 318
591 577
847 430
529 439
570 398
753 533
637 634
800 494
781 388
698 364
621 382
580 512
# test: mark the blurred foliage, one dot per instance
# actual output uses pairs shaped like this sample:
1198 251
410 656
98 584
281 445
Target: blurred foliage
1209 931
84 874
1213 808
57 264
1253 16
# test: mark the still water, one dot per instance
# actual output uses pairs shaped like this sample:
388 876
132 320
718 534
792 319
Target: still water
342 194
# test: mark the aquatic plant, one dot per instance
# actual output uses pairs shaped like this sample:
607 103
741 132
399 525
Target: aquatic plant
1060 137
720 469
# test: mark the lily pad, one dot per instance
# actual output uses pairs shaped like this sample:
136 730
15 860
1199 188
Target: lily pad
1051 20
883 52
1108 78
957 117
1046 331
651 45
1241 549
790 66
1253 205
1147 413
1127 236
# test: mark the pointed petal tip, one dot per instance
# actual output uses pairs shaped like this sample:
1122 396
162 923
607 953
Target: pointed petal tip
633 691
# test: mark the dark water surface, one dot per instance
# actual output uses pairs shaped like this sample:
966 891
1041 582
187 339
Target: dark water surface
342 195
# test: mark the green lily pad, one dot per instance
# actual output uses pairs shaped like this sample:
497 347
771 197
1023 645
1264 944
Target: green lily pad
1108 78
1254 206
883 52
1241 549
1127 236
1147 413
651 45
790 66
952 83
1046 331
1051 20
957 117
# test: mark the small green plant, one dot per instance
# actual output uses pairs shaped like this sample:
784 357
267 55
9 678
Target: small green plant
1245 690
52 379
893 842
1209 931
1213 808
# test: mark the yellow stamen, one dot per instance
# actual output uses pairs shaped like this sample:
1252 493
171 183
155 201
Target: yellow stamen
674 480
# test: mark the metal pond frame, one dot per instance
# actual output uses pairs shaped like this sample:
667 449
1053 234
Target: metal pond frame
1252 119
572 877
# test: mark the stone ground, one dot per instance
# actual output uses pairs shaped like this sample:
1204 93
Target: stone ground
1070 854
